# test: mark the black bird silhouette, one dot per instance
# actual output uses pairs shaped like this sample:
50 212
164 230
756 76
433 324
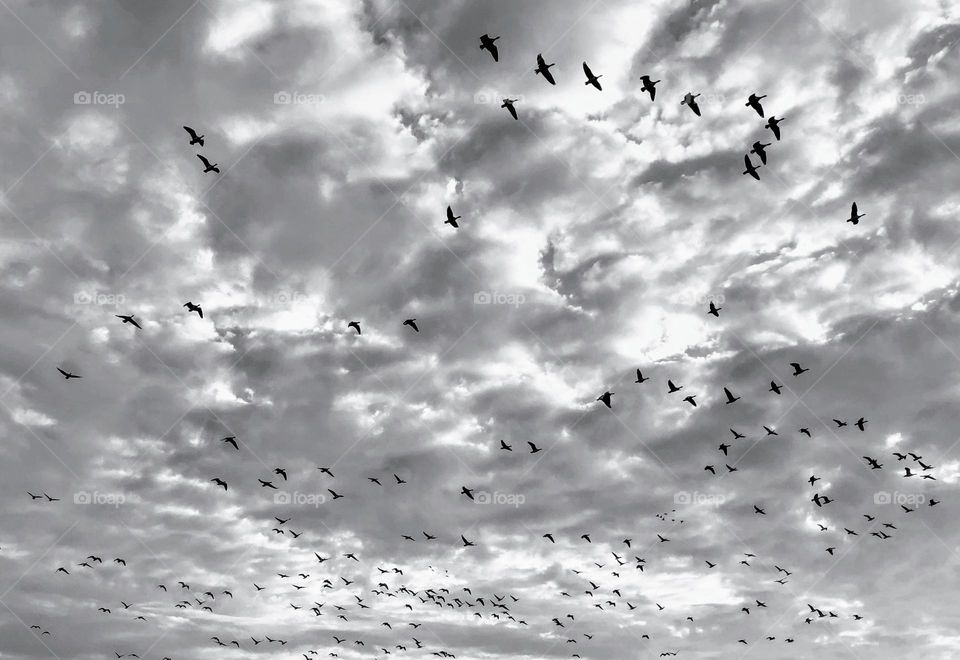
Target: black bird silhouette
488 43
774 125
208 166
355 325
751 169
671 388
606 399
759 148
412 323
730 397
714 310
231 440
451 219
128 319
533 448
505 446
544 69
219 482
508 104
193 308
861 424
774 387
797 369
753 101
854 215
649 86
690 100
592 79
640 378
67 375
194 138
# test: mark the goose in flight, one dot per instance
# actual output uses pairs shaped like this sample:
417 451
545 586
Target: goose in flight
355 325
544 69
194 138
671 388
508 104
231 440
412 323
797 369
487 43
193 308
129 319
730 397
649 86
606 399
774 125
207 165
751 169
640 379
690 100
759 148
854 215
219 482
753 101
67 375
591 78
714 310
451 219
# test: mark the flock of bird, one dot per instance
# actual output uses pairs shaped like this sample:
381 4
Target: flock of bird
599 585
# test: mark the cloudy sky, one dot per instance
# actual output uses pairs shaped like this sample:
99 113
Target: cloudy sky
594 233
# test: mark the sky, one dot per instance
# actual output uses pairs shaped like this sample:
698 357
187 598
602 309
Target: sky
595 232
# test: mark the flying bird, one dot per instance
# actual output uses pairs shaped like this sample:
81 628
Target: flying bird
544 69
606 399
355 325
592 79
129 319
67 375
774 125
854 215
193 308
690 100
760 149
207 165
751 169
753 101
412 323
508 104
649 86
451 219
488 43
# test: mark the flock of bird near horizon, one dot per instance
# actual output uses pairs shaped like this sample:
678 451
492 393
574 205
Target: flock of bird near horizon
496 606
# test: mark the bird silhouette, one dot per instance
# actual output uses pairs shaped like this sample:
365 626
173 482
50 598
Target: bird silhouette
751 169
690 100
194 138
412 323
193 308
451 219
592 79
544 69
649 86
753 101
129 319
208 166
774 125
67 375
508 104
487 43
854 215
760 149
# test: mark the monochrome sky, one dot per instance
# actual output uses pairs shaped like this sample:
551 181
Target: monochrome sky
594 233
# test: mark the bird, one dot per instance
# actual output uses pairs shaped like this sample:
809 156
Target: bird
194 138
774 125
533 448
129 319
714 310
691 400
355 325
730 397
759 148
753 101
690 100
231 440
544 69
466 543
487 43
671 388
751 169
549 537
854 215
640 379
649 86
451 219
592 79
207 165
861 424
508 104
219 482
412 323
504 446
193 308
606 399
774 387
67 375
797 369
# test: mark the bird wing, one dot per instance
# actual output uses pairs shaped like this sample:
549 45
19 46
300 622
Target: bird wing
206 163
492 47
587 70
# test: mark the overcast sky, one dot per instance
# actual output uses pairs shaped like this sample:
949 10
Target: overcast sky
594 233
